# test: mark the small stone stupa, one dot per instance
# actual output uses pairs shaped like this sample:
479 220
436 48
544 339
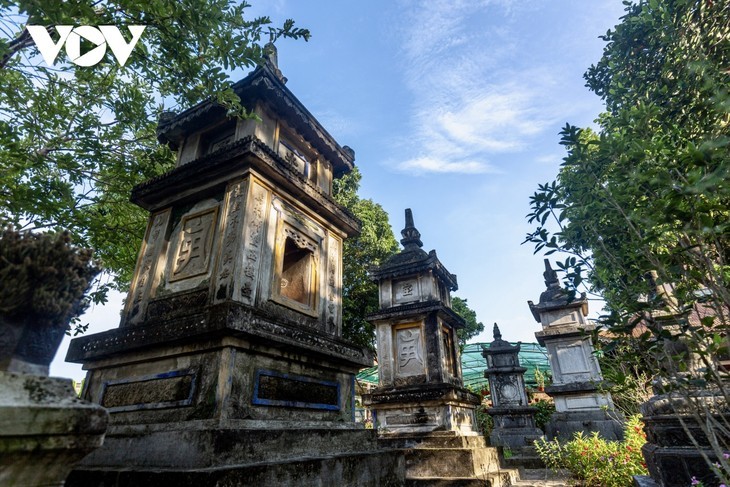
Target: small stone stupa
580 403
514 419
420 404
420 384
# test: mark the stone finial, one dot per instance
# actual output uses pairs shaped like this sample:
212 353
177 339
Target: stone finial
271 56
551 277
411 236
497 333
349 151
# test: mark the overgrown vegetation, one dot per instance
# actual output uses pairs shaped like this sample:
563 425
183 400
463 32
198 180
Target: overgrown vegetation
545 410
596 462
642 205
44 278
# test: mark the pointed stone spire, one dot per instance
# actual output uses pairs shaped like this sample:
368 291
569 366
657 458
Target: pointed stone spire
411 236
271 55
551 277
497 333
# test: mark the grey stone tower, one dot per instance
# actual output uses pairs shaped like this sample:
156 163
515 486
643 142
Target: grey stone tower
228 365
514 419
420 385
580 404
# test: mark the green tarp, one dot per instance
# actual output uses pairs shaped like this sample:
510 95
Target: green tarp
532 356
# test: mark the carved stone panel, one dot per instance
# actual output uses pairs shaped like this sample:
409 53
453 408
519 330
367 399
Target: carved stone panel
333 295
144 277
385 354
410 357
254 239
406 291
194 246
231 242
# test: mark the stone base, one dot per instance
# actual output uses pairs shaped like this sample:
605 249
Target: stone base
444 458
670 452
44 429
423 409
382 469
514 438
564 426
514 427
241 452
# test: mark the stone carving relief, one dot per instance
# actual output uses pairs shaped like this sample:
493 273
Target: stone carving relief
153 245
333 285
254 236
409 348
405 291
231 244
195 244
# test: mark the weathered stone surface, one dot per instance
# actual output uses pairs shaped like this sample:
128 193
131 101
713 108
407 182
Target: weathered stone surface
514 420
580 403
234 321
44 429
676 444
370 469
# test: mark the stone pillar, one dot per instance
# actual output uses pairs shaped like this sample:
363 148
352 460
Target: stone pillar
576 389
514 419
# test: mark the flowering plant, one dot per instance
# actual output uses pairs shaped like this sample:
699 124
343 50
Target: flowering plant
598 462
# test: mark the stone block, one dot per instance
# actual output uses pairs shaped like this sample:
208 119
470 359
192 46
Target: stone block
44 429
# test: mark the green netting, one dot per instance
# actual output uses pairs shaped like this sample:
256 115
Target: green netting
532 356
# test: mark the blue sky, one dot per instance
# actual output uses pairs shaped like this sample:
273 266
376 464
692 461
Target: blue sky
453 109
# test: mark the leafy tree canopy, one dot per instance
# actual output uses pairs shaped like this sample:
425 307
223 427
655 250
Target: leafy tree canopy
647 194
371 248
75 140
473 327
643 203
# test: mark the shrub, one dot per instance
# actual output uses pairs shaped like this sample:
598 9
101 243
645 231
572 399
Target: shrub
545 410
44 278
598 462
484 421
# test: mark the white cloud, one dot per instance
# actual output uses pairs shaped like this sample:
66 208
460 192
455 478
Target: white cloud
446 165
465 108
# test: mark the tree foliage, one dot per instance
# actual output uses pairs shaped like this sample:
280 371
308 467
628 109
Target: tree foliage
75 140
371 248
473 327
642 204
648 192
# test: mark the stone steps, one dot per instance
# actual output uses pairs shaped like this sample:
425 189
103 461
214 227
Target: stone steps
504 478
357 469
524 457
543 478
451 462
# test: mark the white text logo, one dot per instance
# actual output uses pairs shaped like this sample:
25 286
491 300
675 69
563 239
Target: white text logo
101 36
